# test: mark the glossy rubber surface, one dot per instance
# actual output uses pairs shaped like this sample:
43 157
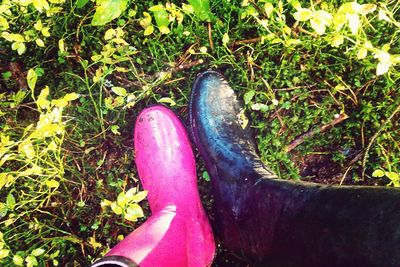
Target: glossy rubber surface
274 222
178 232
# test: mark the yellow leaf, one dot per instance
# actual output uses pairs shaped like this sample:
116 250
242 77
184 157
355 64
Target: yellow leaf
133 212
71 96
354 22
382 68
56 1
38 25
95 245
27 149
149 30
13 37
39 42
318 26
46 31
303 14
337 40
367 8
119 90
40 5
3 179
146 21
323 16
362 53
105 203
382 15
4 253
21 48
18 260
187 8
349 8
24 2
61 45
115 208
52 146
42 101
3 23
119 32
203 49
52 183
96 57
4 8
120 41
384 62
31 79
164 29
139 196
225 39
109 34
268 8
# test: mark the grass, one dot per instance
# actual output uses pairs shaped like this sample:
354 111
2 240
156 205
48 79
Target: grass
292 80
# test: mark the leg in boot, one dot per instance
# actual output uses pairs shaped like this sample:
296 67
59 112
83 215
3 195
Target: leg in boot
178 232
273 221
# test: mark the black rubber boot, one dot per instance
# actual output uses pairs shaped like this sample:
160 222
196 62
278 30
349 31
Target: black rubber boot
275 222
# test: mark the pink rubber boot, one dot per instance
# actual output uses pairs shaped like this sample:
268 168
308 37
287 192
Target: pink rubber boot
178 232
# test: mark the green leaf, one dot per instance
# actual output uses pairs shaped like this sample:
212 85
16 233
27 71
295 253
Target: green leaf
107 10
31 79
202 9
378 173
119 90
114 129
81 3
206 176
161 15
249 96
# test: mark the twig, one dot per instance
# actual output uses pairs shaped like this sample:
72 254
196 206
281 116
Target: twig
307 32
210 36
187 65
350 165
247 41
374 138
300 139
